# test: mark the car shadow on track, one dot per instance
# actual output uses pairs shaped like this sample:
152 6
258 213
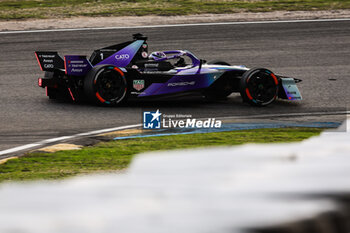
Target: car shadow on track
195 105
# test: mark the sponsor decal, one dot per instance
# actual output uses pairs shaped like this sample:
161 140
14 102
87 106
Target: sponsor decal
137 92
48 66
153 120
144 54
76 61
181 84
138 84
122 56
151 65
144 46
152 72
77 66
47 56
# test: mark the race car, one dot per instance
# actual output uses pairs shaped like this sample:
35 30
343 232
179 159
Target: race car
126 71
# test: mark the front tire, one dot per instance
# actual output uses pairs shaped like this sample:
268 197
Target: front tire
106 85
259 87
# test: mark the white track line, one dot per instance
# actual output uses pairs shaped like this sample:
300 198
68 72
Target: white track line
19 148
177 25
58 139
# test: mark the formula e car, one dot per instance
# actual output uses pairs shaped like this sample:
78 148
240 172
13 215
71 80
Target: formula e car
126 71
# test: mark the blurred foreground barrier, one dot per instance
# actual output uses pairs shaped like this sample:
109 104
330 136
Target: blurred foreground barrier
288 188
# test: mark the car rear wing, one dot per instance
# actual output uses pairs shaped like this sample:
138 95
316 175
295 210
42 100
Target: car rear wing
49 61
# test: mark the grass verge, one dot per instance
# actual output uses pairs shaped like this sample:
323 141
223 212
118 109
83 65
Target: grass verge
116 155
23 9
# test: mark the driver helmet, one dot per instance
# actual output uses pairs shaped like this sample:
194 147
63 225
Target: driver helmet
157 55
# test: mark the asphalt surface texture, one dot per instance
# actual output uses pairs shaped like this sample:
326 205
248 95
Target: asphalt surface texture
316 52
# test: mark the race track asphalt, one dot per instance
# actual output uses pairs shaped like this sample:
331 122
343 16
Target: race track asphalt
316 52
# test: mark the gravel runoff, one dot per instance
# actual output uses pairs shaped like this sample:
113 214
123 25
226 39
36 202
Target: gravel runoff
125 21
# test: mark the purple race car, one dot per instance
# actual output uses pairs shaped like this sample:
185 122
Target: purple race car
126 71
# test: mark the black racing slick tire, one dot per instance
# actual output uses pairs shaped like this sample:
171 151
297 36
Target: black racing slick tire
105 85
259 87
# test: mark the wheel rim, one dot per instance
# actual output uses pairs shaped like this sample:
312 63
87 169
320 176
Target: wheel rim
262 87
110 85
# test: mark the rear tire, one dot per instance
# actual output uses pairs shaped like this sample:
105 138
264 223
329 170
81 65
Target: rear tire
259 87
105 85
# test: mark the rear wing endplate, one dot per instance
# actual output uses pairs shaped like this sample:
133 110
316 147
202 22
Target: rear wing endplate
49 61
